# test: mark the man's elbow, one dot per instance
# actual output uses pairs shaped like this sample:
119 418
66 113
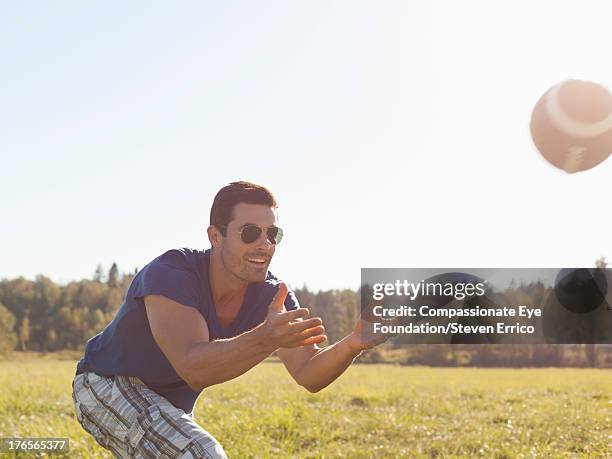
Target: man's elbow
192 374
198 381
194 383
312 388
196 386
194 378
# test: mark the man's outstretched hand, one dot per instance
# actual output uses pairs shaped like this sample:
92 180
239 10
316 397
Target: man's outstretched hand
363 336
286 329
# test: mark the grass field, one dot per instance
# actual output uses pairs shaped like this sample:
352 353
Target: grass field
371 411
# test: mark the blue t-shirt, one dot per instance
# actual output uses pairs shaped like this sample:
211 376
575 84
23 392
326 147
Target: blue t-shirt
126 346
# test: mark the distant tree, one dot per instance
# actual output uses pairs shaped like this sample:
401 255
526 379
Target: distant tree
113 276
349 304
97 321
69 334
99 274
51 340
18 295
42 306
24 333
114 298
7 335
601 263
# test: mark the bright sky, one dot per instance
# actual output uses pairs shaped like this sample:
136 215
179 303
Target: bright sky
393 133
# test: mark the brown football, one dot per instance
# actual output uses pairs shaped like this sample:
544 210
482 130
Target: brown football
571 125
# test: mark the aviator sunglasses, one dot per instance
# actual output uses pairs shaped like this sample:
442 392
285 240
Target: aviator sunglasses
250 232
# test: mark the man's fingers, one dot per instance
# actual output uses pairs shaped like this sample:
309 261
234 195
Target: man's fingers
299 326
314 334
314 331
307 341
289 316
279 299
314 340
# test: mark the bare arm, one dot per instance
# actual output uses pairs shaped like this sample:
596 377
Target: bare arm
182 334
315 368
214 362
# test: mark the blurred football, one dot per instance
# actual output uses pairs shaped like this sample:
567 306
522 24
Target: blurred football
571 125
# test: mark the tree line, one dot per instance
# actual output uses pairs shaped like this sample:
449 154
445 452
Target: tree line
40 315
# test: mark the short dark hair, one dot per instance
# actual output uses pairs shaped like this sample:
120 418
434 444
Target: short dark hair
221 212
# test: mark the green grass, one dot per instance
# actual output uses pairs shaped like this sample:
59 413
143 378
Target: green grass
371 411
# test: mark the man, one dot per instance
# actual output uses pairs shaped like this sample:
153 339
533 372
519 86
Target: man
192 319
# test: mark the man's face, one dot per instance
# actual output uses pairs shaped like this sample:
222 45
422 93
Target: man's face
248 262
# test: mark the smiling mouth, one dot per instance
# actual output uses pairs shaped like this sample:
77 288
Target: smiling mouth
258 261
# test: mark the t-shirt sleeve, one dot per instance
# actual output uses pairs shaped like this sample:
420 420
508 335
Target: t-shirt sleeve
291 302
273 283
160 278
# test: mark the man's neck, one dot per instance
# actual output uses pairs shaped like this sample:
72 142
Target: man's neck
225 287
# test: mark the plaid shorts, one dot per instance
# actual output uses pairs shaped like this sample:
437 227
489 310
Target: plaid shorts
131 420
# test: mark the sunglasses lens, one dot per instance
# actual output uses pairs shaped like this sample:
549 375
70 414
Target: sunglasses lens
250 234
275 235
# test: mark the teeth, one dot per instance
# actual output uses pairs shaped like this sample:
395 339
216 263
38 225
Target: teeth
257 260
